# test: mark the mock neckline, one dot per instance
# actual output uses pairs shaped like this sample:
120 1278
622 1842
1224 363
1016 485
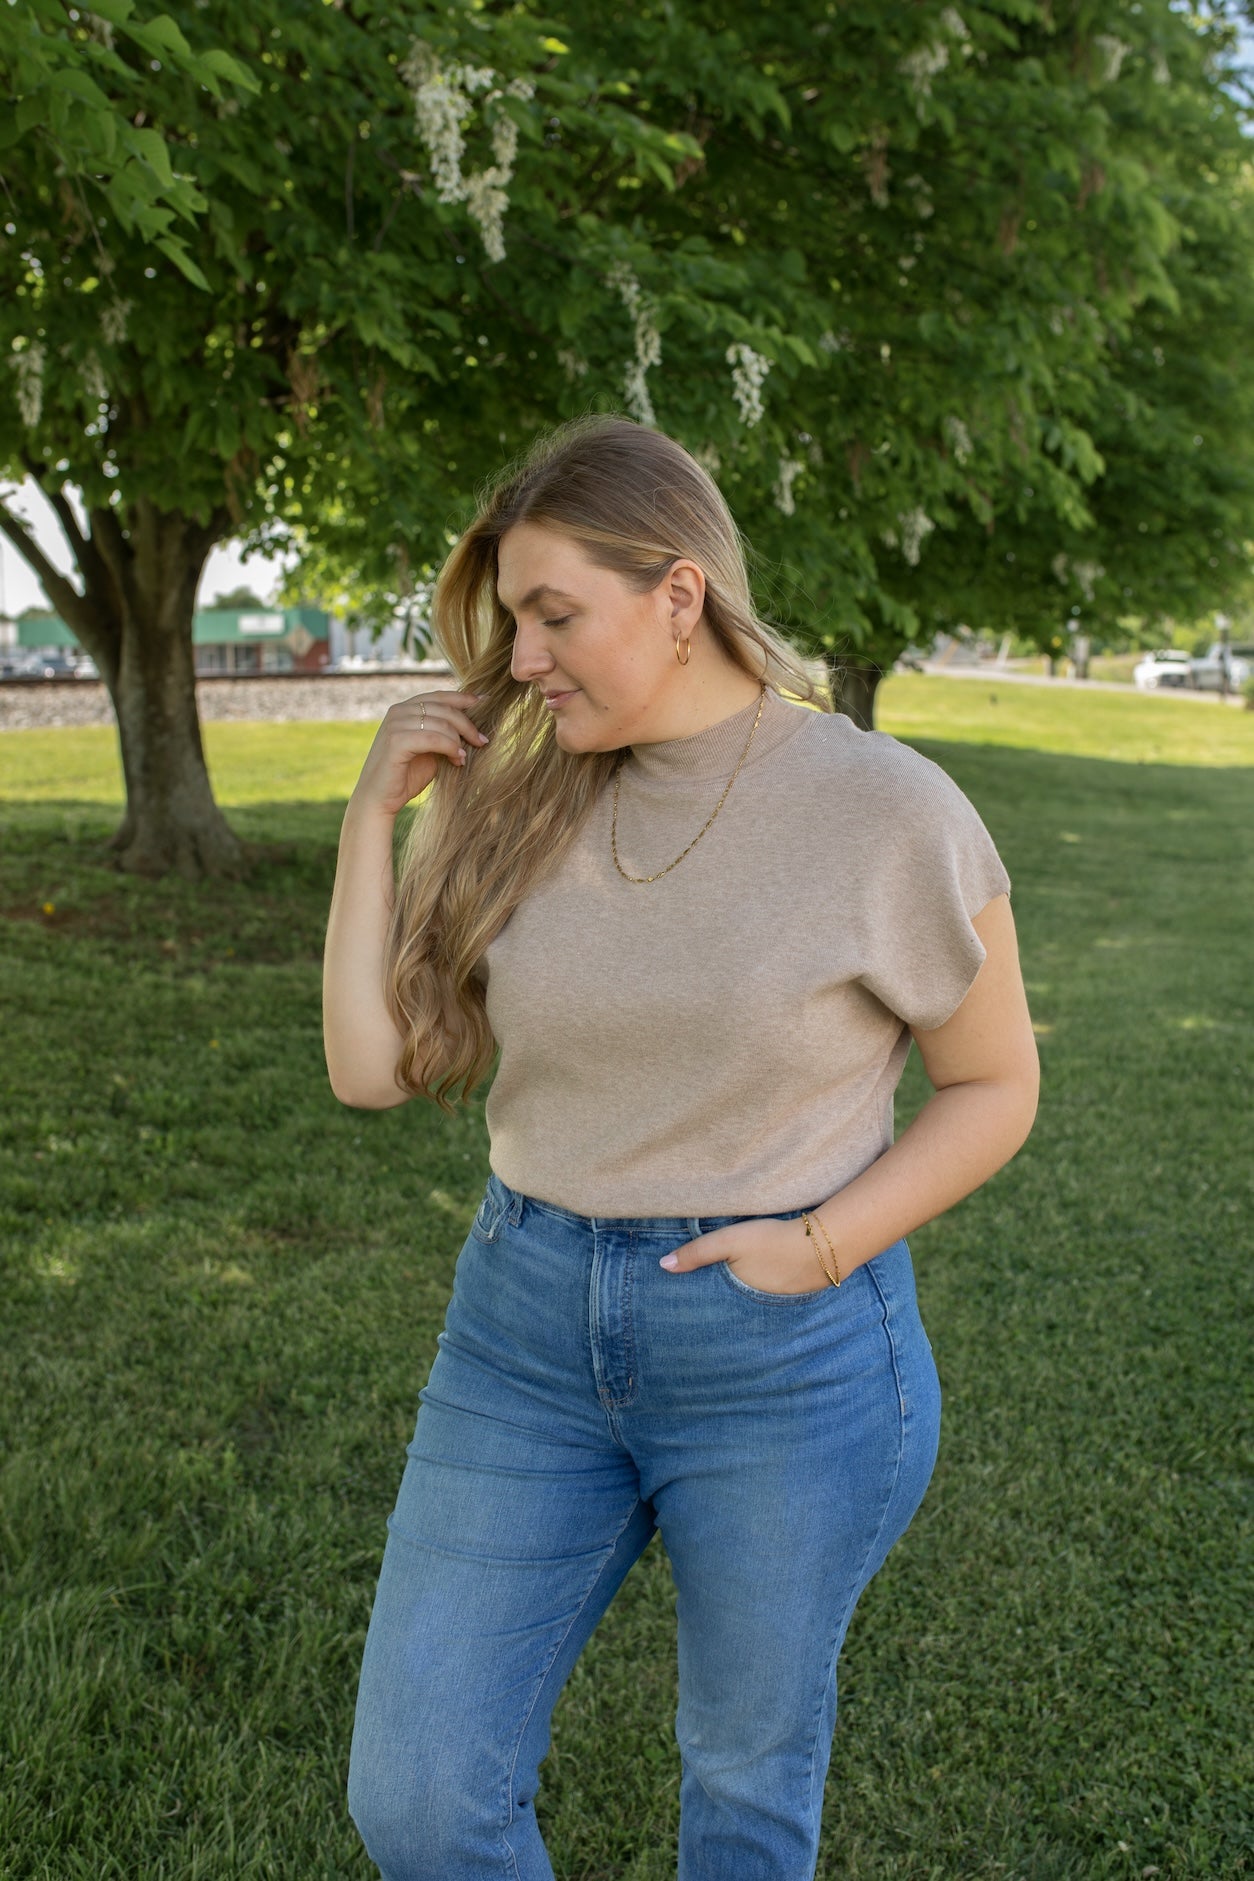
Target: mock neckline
715 751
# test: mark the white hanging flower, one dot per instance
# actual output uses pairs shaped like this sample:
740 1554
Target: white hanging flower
573 364
440 107
442 104
915 525
1160 68
923 206
1087 574
709 459
836 342
749 370
94 383
1111 51
789 469
957 437
954 24
1058 568
113 318
648 341
921 66
28 366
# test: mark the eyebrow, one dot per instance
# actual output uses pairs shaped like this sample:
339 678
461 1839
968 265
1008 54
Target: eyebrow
533 595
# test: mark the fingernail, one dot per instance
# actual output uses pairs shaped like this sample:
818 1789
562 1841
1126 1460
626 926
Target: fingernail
669 1260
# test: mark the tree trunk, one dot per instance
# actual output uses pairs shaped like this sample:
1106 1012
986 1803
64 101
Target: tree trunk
171 819
140 574
854 684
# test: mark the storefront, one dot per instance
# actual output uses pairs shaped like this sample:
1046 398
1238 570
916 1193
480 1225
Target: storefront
224 640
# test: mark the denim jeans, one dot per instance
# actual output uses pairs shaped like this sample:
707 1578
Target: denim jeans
580 1398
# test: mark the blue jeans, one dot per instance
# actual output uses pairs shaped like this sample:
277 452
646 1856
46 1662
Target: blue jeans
580 1398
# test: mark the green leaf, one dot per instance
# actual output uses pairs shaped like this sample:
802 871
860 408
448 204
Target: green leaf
70 78
175 250
166 35
115 11
150 146
223 65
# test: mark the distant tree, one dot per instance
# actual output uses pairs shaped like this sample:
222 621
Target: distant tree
237 598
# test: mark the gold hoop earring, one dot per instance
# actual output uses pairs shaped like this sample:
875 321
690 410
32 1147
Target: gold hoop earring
688 655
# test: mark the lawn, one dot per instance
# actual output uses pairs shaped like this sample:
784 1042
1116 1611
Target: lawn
223 1289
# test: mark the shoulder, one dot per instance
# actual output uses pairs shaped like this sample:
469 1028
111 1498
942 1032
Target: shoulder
875 774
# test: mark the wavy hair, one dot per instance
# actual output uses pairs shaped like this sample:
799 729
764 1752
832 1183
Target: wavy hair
634 500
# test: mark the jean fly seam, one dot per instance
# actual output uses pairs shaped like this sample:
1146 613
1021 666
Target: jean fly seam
540 1682
609 1403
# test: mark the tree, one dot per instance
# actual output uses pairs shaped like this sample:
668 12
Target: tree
953 243
332 277
886 267
237 598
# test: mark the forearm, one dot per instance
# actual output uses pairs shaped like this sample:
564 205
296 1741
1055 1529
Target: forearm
361 1042
961 1136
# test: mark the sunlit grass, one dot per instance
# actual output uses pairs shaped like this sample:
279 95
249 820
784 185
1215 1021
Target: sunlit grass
222 1291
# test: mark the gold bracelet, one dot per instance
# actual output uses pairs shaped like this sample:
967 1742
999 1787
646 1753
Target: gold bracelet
833 1277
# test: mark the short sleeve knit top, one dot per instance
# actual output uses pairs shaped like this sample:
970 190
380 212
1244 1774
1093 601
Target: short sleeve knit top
727 1039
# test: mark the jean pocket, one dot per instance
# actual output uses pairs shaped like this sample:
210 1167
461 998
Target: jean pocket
486 1225
747 1292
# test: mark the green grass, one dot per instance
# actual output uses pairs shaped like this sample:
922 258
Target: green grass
222 1291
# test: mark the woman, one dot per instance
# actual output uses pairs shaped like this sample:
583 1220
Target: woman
703 923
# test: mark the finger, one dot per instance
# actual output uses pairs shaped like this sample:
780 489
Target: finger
700 1253
428 713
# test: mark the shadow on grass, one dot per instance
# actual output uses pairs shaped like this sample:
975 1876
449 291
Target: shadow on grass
223 1290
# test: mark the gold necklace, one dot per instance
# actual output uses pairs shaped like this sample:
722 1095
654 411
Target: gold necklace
700 833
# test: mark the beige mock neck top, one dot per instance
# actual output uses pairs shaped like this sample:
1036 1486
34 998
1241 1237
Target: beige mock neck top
727 1039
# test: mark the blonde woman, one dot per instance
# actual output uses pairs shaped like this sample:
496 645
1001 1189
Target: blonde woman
703 923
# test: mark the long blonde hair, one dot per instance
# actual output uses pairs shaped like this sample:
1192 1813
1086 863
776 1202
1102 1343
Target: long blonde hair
482 835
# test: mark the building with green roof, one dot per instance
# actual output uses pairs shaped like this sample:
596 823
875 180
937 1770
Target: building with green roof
224 639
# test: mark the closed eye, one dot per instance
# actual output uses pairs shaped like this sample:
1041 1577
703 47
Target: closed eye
558 623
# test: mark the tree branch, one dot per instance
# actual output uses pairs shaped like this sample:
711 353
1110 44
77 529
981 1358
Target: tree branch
115 550
37 471
61 592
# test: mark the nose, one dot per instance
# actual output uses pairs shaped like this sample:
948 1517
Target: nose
531 662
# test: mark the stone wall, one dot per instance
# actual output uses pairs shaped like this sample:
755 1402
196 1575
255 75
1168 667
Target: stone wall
26 703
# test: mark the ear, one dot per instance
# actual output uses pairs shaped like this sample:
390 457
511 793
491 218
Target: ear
684 589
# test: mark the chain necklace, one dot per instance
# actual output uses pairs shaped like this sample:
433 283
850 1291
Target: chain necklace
700 833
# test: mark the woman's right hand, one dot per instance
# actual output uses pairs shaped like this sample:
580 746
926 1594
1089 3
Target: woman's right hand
416 734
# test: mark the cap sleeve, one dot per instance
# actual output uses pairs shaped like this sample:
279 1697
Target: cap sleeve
936 867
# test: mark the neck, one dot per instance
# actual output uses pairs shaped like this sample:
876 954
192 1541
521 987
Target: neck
696 707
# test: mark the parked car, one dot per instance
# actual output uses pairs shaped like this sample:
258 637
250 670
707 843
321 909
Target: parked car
13 664
1208 668
56 665
1164 668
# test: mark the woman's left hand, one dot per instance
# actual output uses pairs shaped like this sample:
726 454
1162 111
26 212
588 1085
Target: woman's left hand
771 1256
